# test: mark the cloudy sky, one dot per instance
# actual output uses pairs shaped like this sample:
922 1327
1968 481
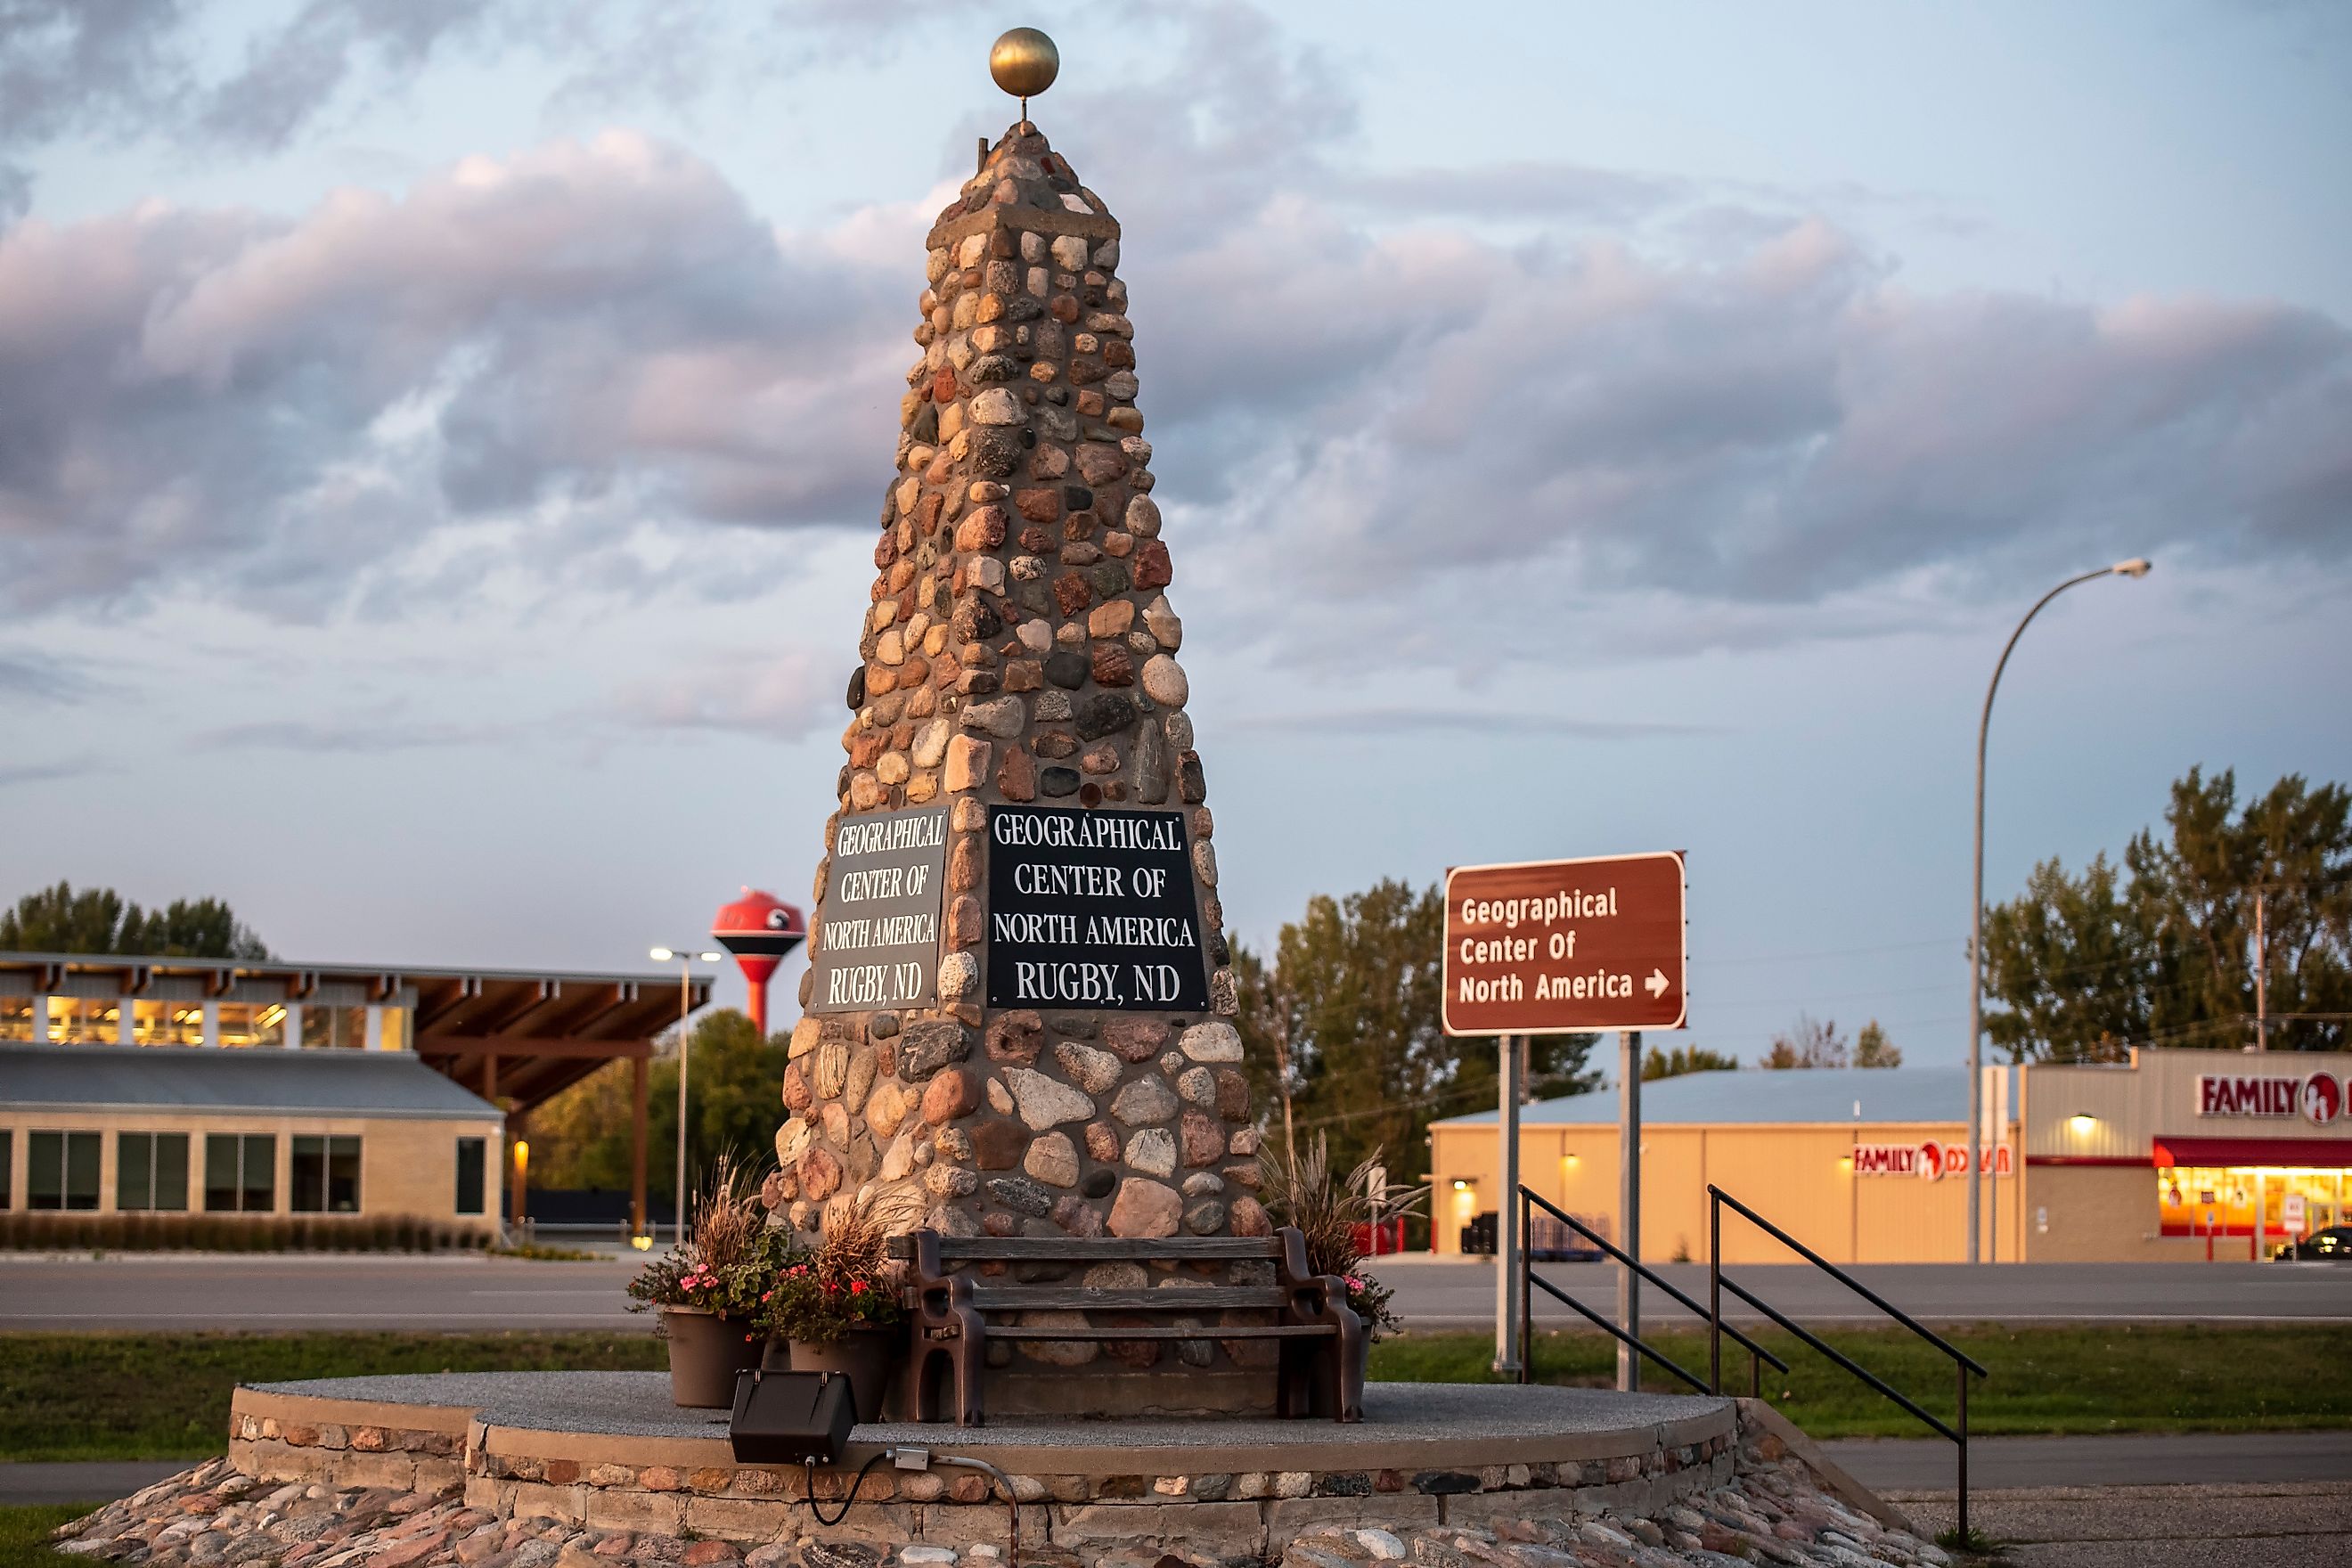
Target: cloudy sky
439 443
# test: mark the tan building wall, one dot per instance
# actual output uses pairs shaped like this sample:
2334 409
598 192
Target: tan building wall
1800 1176
408 1165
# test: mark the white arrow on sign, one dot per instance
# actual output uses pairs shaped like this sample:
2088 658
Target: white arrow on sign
1658 983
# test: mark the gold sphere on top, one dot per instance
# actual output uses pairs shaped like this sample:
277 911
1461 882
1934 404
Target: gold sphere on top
1024 62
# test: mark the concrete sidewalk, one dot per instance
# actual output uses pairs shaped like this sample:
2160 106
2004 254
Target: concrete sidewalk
2281 1524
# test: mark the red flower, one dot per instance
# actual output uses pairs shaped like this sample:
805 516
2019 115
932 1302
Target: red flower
857 1287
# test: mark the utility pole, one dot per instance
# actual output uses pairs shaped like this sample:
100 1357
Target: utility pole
2261 973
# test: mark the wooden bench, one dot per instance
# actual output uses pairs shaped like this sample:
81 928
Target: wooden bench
1321 1367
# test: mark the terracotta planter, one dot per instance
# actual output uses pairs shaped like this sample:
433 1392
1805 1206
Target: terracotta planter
705 1351
870 1357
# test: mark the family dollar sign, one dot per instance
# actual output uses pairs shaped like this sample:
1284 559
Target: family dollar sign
1557 947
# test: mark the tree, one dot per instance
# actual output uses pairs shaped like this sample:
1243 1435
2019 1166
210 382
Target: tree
1349 1005
2163 950
1872 1049
1811 1043
1660 1064
98 920
579 1137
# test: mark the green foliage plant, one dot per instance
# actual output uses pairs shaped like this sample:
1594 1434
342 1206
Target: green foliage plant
847 1282
1299 1190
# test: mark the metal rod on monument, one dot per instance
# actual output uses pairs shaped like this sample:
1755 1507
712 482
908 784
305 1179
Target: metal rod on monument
1629 1203
1507 1241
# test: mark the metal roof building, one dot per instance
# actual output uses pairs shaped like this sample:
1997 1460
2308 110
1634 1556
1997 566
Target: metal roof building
150 1085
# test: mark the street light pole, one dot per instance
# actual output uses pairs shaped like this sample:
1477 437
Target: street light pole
685 1010
2135 567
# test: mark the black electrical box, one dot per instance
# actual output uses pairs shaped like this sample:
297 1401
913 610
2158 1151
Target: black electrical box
790 1418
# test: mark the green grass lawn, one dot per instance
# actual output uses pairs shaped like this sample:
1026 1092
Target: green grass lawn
2045 1380
165 1396
24 1533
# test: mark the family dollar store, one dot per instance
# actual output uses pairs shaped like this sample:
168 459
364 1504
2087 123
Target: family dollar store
2166 1155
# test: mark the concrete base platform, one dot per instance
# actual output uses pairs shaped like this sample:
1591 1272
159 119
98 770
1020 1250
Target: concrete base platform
591 1470
609 1450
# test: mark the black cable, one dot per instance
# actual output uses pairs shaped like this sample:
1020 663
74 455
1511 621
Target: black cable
846 1503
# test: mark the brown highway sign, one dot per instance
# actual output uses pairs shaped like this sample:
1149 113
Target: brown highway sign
1556 947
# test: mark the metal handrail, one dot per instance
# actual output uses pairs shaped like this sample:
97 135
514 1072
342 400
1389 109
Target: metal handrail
1757 1353
1963 1363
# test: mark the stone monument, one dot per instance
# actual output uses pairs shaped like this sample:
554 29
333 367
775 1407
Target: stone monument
1016 1017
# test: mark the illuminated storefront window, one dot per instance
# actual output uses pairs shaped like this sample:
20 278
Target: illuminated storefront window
395 1029
326 1028
253 1024
167 1023
85 1020
16 1019
2194 1200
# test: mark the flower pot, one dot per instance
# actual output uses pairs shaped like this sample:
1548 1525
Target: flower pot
869 1356
705 1351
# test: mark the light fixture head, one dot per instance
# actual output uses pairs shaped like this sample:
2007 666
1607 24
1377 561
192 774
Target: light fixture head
1460 1185
662 954
712 957
2082 1122
2135 567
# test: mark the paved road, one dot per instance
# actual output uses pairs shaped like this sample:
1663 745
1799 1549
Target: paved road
93 1481
1462 1295
2125 1459
293 1291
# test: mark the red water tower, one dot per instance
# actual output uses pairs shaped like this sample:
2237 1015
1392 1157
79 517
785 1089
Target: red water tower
758 929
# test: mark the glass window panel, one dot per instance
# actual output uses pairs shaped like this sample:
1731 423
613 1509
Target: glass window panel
167 1023
170 1167
7 1167
260 1189
342 1175
220 1171
134 1169
396 1034
253 1024
329 1028
306 1180
16 1019
85 1020
45 1171
82 1156
469 1176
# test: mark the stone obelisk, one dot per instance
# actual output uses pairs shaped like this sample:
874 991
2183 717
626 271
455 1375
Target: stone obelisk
1016 1017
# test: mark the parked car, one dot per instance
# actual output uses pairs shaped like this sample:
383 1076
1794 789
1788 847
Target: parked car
2333 1244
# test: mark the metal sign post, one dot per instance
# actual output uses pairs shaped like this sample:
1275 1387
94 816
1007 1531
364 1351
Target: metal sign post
1629 1203
1509 1307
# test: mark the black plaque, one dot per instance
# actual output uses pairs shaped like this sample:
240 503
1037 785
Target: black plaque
878 926
1092 910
